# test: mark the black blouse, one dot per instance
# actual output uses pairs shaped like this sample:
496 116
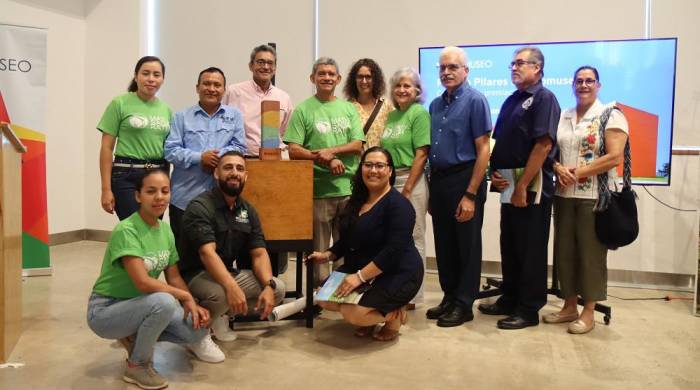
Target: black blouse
384 235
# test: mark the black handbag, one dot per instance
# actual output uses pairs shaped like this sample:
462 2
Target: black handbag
616 222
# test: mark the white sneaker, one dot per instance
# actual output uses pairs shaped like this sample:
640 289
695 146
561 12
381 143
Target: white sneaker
221 330
207 351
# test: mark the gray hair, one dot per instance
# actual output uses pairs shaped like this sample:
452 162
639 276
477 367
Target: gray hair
461 53
260 48
535 55
324 61
415 80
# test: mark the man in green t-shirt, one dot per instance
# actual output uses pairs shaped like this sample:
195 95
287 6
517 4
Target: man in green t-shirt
328 131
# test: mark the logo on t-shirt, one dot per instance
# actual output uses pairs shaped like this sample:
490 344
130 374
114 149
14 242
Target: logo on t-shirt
242 216
156 261
527 103
323 127
138 122
159 123
395 131
338 125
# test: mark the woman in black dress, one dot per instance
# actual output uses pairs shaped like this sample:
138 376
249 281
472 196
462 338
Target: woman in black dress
378 249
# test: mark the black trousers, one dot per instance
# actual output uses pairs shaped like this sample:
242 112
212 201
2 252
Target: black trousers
457 244
176 220
524 241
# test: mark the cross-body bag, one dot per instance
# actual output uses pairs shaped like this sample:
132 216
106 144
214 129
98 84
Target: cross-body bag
616 222
373 115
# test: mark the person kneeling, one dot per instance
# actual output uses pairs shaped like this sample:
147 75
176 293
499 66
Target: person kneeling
130 304
377 246
220 232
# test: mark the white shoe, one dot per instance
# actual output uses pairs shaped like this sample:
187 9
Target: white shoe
221 330
207 351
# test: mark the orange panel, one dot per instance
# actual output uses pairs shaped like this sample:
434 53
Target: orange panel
644 129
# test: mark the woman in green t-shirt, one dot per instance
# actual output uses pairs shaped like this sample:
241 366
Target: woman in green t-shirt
406 136
141 122
129 303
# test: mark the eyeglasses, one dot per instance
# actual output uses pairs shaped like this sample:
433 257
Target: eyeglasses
450 67
519 63
588 82
363 77
369 165
264 62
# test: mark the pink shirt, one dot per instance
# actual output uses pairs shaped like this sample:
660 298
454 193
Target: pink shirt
247 96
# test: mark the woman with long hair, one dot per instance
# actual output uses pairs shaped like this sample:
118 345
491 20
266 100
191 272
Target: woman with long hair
131 304
378 251
365 88
138 123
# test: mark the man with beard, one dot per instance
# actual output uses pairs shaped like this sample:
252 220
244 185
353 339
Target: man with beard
326 130
220 233
198 136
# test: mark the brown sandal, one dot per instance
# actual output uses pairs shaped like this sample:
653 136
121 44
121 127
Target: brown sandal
364 331
386 334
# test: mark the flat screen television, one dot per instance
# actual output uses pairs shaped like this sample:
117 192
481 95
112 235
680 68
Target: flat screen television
638 74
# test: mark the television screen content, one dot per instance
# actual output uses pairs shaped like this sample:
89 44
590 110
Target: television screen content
637 74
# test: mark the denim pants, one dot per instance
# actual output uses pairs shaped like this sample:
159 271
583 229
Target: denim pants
124 190
124 182
151 317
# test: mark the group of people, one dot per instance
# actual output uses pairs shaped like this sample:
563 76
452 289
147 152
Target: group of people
380 165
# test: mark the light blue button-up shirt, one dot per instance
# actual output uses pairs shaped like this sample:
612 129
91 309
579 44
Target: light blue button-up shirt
457 121
193 131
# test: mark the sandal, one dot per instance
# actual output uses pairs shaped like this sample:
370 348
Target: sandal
364 331
386 334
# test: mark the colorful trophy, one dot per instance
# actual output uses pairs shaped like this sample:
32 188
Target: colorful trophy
270 145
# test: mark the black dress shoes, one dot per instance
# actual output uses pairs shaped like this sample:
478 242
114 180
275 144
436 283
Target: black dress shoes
455 317
493 309
435 312
516 322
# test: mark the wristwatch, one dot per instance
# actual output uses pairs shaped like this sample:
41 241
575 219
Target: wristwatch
272 284
471 196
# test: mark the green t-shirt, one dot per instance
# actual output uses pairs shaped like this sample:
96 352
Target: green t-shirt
140 127
134 237
316 125
404 132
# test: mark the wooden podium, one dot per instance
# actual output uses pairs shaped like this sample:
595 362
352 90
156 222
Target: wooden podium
10 240
282 193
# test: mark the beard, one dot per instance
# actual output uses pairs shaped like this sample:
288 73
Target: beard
231 190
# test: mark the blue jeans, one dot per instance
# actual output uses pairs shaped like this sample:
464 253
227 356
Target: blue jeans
151 317
124 190
124 182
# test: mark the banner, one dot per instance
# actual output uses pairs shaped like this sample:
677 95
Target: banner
23 105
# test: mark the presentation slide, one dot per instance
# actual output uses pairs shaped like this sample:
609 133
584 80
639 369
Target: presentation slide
637 74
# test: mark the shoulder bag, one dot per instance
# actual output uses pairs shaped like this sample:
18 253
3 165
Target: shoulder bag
373 115
616 222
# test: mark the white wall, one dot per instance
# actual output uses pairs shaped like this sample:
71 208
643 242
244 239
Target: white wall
395 31
65 168
112 44
196 35
93 46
